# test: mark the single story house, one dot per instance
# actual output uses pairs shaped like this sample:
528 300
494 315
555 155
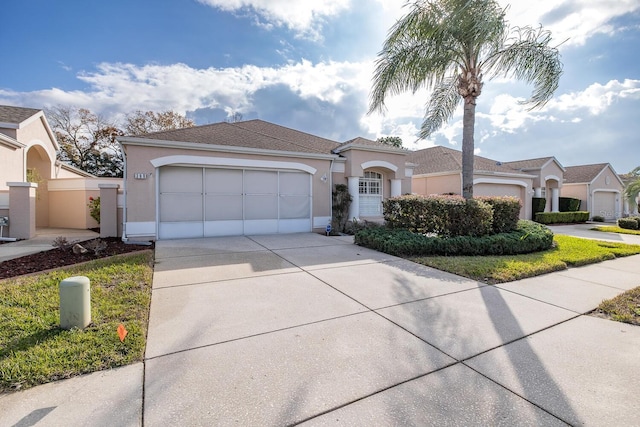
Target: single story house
599 188
36 190
251 177
438 170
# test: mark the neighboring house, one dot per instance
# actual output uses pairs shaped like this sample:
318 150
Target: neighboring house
251 177
36 190
598 187
438 170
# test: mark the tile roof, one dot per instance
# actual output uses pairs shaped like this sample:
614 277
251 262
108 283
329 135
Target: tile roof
583 173
529 163
256 134
442 159
15 115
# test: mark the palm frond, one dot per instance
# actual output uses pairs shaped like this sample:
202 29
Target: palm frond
441 106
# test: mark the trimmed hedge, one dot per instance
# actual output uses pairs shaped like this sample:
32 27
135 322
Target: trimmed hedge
569 204
442 215
538 204
528 237
631 223
561 217
506 213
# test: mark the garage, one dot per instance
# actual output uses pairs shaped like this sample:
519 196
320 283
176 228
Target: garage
209 201
604 204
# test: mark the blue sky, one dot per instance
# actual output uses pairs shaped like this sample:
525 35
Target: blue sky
308 65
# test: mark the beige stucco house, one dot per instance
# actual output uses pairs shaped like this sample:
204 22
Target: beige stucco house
36 190
438 170
599 188
251 177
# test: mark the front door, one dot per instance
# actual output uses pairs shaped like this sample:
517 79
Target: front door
370 190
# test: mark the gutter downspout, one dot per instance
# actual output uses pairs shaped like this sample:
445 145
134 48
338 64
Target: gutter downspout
124 191
331 189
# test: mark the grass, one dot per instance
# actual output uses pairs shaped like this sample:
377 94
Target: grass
567 252
623 308
615 229
33 348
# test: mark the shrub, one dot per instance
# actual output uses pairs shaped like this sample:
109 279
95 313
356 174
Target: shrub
442 215
527 237
94 208
561 217
341 201
569 204
506 212
628 223
597 218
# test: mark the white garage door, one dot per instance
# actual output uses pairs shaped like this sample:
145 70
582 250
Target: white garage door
604 204
203 202
498 190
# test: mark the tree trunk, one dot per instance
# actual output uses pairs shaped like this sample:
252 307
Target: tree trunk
468 125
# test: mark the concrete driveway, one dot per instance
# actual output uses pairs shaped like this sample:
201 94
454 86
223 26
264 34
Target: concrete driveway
288 329
313 330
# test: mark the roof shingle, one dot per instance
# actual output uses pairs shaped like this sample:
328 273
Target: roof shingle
583 173
15 115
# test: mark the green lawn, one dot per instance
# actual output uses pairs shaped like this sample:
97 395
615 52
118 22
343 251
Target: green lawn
623 308
34 350
614 229
567 252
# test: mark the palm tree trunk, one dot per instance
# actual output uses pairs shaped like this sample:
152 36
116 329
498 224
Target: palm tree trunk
468 124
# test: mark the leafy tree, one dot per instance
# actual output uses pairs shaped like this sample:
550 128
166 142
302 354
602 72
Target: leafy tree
395 141
139 122
632 188
87 140
448 46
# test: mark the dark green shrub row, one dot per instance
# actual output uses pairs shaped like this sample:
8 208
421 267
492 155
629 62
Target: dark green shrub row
569 204
451 216
538 204
506 213
561 217
631 223
527 237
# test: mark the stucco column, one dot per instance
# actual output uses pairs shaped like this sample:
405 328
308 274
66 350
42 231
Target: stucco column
537 192
353 183
22 209
396 187
108 210
555 200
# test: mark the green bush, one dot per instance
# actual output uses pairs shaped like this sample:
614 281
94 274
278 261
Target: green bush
538 204
442 215
506 212
527 237
597 218
561 217
569 204
629 223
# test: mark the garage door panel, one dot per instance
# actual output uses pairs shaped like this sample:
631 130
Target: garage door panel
224 207
604 204
223 181
294 183
180 207
179 179
261 207
294 207
260 182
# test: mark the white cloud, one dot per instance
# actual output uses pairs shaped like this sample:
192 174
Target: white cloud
597 98
575 20
303 17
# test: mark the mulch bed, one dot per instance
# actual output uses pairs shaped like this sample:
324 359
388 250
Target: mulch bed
58 257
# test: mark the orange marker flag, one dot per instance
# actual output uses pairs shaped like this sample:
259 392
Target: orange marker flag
122 332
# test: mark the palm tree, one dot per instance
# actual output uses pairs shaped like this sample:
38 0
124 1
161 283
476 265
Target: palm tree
632 188
447 46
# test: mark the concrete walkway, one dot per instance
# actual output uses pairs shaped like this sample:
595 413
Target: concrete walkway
313 330
42 242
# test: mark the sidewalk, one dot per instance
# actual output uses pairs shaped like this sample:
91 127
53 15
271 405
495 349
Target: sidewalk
42 242
312 330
